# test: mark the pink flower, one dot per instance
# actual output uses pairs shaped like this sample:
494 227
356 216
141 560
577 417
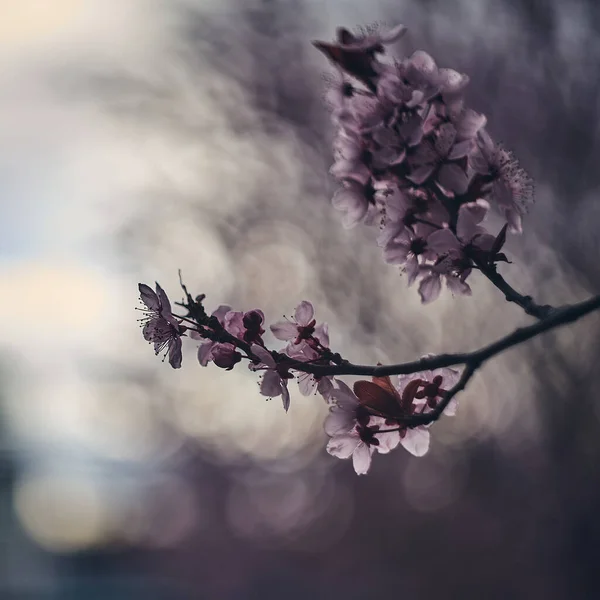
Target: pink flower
393 86
160 326
353 202
354 432
506 182
349 151
362 113
224 355
303 328
433 385
274 380
244 326
307 382
453 262
403 208
410 248
439 158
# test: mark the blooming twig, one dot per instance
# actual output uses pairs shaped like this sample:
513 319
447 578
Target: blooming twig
412 158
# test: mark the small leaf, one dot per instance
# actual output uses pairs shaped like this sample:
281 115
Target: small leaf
499 241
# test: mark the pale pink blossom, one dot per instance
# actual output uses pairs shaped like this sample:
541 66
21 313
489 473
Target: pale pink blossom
223 354
506 182
352 201
160 327
453 263
349 153
274 379
354 433
302 328
434 384
437 160
307 382
410 248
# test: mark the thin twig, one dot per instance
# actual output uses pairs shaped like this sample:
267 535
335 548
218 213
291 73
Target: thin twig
527 303
558 317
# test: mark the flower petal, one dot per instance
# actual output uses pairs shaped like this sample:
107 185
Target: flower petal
325 387
396 252
344 397
165 305
429 288
304 313
322 334
339 421
443 241
284 330
306 383
453 178
148 296
343 446
411 268
285 395
221 312
387 441
450 410
457 287
175 353
270 385
361 458
416 441
205 352
263 355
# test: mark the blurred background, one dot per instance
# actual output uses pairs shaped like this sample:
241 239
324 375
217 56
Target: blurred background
138 137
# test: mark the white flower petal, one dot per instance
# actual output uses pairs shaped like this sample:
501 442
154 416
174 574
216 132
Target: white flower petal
304 313
322 334
361 458
343 446
284 330
205 352
416 441
270 385
450 410
263 355
387 441
338 421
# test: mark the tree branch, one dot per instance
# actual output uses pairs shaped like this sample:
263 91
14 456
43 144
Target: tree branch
527 303
556 318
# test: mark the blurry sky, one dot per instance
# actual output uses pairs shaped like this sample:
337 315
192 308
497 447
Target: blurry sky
138 137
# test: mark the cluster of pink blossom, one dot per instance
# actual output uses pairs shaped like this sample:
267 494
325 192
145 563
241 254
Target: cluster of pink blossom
411 157
373 417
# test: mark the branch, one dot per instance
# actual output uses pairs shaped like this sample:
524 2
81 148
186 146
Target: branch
527 303
556 318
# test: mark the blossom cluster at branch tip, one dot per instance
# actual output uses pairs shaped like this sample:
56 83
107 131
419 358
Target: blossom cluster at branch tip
372 418
410 156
